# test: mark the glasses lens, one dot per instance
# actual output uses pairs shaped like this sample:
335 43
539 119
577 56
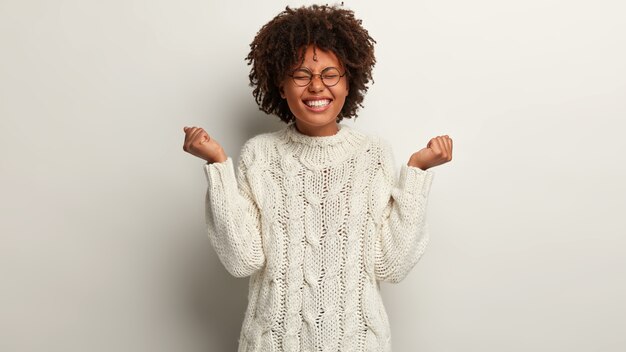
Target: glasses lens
331 76
301 77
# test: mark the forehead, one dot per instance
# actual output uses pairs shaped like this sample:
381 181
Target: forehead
315 57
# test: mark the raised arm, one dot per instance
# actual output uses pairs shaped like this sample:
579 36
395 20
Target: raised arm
402 232
232 216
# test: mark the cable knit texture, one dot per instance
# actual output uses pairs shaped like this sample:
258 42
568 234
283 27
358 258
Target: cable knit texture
316 222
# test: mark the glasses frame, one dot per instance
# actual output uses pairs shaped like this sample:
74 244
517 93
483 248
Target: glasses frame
312 75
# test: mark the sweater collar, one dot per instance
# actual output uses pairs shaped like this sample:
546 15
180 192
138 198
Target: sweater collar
317 152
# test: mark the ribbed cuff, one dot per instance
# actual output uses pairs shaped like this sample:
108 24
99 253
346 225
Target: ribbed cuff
415 180
218 172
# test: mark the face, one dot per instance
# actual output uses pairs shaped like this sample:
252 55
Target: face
315 105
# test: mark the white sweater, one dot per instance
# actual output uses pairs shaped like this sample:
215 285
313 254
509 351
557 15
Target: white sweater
316 222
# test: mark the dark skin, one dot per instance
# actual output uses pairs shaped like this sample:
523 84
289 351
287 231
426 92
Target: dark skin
199 143
331 28
438 151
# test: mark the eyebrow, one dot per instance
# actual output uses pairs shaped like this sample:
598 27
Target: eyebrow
308 69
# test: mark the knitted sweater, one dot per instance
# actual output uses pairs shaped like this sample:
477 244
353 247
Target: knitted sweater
316 222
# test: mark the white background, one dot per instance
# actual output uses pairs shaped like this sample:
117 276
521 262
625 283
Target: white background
103 244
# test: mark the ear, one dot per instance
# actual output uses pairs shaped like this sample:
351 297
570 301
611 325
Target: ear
282 91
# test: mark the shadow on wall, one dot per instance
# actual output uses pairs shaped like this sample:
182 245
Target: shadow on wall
218 302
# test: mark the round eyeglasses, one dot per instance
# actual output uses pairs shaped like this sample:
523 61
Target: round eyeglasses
330 76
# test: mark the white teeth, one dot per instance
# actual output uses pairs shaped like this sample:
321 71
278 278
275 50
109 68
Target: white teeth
317 103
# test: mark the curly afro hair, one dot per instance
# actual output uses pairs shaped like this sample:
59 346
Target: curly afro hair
277 48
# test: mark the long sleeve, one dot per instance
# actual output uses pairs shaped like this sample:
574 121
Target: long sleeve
233 218
402 228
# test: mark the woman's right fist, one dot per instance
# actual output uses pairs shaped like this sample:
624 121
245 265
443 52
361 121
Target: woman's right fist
199 143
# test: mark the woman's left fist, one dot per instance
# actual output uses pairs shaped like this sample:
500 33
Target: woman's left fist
438 151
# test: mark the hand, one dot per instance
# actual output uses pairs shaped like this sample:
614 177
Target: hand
437 152
199 143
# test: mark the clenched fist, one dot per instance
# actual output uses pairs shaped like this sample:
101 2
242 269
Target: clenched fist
199 143
437 152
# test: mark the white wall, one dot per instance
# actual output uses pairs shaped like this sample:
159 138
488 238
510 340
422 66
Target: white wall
103 246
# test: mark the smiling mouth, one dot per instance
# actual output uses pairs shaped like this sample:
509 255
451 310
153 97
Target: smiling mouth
317 103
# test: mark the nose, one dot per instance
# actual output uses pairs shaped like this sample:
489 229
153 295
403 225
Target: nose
316 84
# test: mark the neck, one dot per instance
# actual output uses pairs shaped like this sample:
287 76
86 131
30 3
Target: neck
317 131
